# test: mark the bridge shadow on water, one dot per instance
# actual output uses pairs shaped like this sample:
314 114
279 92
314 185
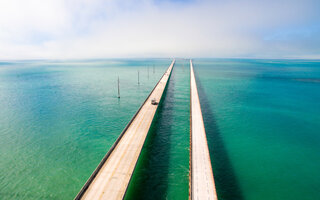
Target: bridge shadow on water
225 179
150 177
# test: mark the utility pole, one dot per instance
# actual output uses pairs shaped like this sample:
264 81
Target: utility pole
118 88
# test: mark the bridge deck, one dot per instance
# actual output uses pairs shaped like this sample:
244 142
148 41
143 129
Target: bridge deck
202 182
111 178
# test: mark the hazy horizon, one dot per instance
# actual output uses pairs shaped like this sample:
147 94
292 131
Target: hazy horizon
97 29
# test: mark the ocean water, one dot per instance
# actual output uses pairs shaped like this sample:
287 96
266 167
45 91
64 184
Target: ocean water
58 119
262 119
162 171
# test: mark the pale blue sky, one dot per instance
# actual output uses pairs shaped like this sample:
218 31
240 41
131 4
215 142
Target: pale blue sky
35 29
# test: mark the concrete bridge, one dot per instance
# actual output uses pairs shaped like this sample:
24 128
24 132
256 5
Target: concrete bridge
112 176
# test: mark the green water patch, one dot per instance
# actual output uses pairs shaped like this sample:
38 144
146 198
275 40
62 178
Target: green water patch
163 166
268 126
226 182
58 120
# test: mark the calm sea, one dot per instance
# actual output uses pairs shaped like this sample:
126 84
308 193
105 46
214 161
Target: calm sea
262 117
58 119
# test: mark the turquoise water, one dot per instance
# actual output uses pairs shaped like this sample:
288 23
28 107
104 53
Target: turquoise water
59 118
262 119
162 171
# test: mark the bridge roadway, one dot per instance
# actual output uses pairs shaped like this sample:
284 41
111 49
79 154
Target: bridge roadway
202 183
111 178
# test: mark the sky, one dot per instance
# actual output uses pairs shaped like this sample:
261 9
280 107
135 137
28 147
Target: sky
82 29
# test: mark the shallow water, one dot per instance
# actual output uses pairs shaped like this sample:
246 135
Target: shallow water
162 171
262 119
59 118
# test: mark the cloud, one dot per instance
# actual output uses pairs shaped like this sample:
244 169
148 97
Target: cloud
131 28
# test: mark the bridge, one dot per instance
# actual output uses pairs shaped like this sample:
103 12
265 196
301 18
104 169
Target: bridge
202 183
111 178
